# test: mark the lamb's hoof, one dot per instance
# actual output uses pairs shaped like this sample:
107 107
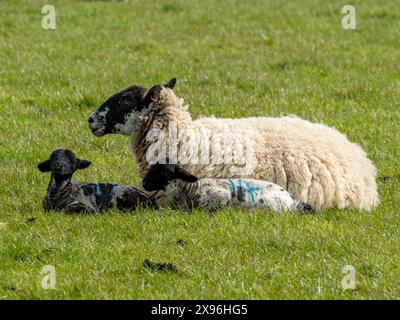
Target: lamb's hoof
305 207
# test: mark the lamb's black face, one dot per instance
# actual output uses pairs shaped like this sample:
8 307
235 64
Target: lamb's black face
159 175
63 163
115 115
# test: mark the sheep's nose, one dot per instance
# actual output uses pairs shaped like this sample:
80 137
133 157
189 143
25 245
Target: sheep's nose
92 123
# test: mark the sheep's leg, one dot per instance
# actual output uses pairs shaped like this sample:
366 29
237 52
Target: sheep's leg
214 198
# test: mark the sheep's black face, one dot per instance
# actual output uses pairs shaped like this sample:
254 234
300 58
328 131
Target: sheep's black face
62 164
116 115
160 175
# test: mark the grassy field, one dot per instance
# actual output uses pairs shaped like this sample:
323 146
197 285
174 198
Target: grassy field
232 59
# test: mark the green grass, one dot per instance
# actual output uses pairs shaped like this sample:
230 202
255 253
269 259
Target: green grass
232 59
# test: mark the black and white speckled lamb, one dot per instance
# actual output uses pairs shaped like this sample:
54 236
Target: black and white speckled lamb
75 197
185 191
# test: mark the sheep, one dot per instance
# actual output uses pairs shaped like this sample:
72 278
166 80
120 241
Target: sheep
76 197
315 163
185 191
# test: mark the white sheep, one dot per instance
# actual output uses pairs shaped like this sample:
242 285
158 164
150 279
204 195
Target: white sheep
315 163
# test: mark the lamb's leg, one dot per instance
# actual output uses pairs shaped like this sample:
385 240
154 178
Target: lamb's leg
78 207
130 200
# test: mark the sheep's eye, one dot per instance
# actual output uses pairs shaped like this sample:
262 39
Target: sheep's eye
126 99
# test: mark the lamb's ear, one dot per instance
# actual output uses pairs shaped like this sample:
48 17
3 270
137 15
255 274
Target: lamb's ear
184 175
152 95
45 166
171 83
82 164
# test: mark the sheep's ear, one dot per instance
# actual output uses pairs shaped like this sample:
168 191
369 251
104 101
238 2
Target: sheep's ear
45 166
152 95
184 175
82 164
171 83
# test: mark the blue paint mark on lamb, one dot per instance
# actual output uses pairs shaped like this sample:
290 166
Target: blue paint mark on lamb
250 190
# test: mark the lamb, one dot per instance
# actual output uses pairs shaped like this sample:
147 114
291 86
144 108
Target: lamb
315 163
185 191
76 197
